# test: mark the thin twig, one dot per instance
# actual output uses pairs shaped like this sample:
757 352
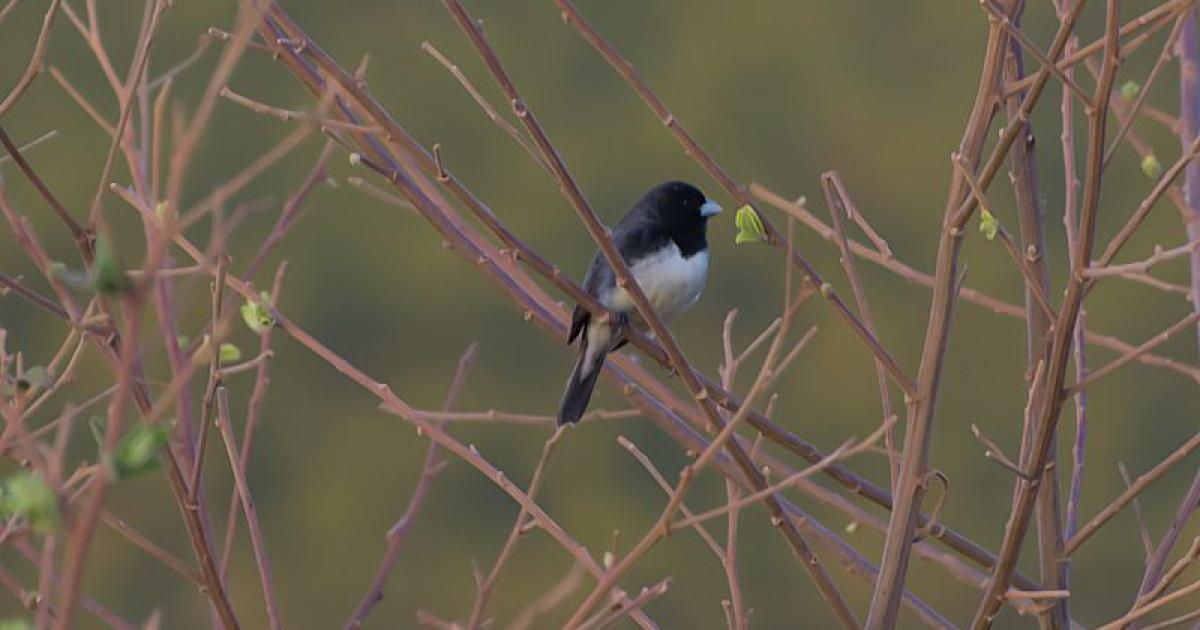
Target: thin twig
243 490
1128 495
839 203
399 531
475 620
34 67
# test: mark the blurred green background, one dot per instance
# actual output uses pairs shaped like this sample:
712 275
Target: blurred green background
778 92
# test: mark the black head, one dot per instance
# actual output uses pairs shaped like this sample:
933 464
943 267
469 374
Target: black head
680 210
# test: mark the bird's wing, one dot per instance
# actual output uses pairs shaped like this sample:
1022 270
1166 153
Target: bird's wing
598 276
633 237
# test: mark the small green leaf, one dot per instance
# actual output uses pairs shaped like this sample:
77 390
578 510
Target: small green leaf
1130 90
27 496
988 225
256 316
749 226
35 376
57 268
138 450
15 624
106 275
1152 167
160 210
182 341
230 353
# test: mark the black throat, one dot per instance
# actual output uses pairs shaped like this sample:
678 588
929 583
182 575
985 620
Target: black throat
692 240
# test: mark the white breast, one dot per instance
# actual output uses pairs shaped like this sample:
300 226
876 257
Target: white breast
670 281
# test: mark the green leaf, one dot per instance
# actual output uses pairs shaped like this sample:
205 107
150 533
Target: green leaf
1152 167
106 275
27 496
138 450
988 225
182 341
35 376
230 353
1130 90
749 226
256 316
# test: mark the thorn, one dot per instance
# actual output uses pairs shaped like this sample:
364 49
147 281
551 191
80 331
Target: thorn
442 176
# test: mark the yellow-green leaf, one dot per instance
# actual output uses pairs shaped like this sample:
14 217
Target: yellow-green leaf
230 353
256 316
749 226
1152 167
988 225
1130 90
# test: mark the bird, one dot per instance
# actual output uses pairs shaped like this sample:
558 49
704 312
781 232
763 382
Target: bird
663 239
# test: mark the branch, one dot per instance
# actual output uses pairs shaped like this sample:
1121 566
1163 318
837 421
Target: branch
535 485
243 490
625 280
692 148
34 67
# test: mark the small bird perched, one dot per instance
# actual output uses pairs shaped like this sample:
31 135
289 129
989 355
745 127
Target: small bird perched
662 240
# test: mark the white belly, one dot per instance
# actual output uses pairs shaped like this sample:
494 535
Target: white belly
671 282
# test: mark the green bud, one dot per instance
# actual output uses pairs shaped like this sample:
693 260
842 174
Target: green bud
1130 90
1152 167
35 376
27 496
749 226
138 451
106 275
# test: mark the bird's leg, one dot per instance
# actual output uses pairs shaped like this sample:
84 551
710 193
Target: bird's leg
618 322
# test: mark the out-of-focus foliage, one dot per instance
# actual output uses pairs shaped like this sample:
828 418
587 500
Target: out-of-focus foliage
778 92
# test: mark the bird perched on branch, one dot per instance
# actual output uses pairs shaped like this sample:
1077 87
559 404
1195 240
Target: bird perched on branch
662 240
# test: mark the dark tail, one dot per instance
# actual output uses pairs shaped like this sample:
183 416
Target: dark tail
580 386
